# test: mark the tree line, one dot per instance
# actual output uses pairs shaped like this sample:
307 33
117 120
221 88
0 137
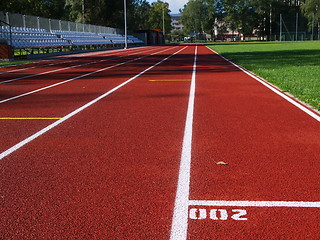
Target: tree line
244 16
140 13
198 16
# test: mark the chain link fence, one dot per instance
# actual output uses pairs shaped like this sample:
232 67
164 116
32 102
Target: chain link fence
28 21
295 27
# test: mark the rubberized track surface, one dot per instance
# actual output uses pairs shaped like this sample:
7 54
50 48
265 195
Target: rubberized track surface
154 143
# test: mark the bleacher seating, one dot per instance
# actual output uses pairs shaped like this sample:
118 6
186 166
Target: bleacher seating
135 40
81 38
120 39
30 38
40 38
114 38
60 32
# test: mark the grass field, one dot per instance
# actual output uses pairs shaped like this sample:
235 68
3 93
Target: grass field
292 66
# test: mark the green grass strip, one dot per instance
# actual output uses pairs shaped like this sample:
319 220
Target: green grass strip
9 63
292 66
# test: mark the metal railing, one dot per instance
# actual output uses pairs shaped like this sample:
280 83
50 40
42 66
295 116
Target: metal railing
28 21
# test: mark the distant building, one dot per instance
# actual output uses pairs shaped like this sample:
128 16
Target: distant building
176 22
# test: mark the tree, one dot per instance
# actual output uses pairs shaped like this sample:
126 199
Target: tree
75 10
244 16
138 15
198 16
49 8
110 13
155 20
241 16
311 10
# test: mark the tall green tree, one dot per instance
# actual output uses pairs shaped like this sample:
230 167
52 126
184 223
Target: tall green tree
110 13
244 16
155 20
138 14
241 16
194 16
311 10
48 8
97 12
75 10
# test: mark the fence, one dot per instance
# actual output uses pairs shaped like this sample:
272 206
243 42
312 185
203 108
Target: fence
295 27
27 21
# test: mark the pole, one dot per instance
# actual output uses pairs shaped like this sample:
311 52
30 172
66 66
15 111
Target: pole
82 11
125 25
312 26
270 22
164 34
280 27
297 16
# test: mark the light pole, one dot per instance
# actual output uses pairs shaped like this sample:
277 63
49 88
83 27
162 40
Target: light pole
82 11
163 29
125 25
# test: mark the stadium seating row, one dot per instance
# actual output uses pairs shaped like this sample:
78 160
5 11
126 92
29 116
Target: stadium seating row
60 32
21 30
39 43
38 38
5 35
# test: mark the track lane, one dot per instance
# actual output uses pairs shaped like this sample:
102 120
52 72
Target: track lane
63 99
271 149
60 66
113 174
96 185
39 82
57 60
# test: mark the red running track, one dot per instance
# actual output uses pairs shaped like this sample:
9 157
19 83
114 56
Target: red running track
110 169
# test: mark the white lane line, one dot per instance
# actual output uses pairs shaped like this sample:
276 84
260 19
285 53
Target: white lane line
103 52
272 88
51 126
213 203
81 76
180 215
21 69
65 68
39 64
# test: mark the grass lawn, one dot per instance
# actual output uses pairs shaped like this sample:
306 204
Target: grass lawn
292 66
3 64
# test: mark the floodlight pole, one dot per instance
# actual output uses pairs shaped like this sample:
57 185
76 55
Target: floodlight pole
312 26
82 11
270 22
280 27
297 17
164 35
125 25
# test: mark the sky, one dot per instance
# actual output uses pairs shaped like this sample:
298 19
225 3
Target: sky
174 5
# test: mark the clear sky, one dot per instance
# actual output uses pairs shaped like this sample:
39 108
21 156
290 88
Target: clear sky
174 5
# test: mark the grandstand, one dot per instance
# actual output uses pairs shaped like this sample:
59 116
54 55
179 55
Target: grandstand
29 40
21 38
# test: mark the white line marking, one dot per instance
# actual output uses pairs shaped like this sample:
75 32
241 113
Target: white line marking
51 126
272 88
81 76
65 68
180 215
21 69
253 203
39 64
72 55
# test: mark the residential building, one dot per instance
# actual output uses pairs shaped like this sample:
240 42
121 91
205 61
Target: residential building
176 22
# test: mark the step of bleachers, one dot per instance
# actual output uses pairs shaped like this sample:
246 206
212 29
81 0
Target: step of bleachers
40 38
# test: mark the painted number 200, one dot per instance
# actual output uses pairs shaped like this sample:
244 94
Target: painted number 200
217 214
